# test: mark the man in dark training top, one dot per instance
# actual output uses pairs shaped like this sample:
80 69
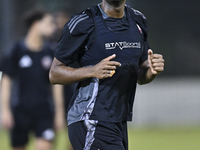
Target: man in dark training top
109 41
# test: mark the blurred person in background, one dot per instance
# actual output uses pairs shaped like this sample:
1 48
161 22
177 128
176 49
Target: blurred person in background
109 41
61 17
28 98
1 64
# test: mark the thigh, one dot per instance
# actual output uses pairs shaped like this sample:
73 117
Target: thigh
110 136
77 135
94 135
22 126
19 137
42 144
44 127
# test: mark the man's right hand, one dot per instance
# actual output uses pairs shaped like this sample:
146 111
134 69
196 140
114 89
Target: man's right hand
106 68
62 74
7 119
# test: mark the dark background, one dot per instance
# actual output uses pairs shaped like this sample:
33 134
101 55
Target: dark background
173 28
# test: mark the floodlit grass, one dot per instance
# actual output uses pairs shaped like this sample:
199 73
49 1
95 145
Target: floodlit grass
3 140
165 139
139 139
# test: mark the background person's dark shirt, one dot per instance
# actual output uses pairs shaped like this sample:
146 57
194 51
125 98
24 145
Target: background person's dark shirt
29 71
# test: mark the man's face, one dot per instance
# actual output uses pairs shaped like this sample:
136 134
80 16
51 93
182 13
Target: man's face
47 25
115 2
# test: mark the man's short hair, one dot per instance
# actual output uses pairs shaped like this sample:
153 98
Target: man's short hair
33 15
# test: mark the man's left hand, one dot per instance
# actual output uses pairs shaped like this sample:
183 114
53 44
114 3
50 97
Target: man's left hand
156 62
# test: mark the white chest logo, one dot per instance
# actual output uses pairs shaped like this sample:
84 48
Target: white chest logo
122 45
25 62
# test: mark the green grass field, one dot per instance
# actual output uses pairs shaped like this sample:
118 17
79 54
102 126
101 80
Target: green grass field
139 139
165 139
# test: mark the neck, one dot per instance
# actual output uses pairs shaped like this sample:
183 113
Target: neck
33 40
114 10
